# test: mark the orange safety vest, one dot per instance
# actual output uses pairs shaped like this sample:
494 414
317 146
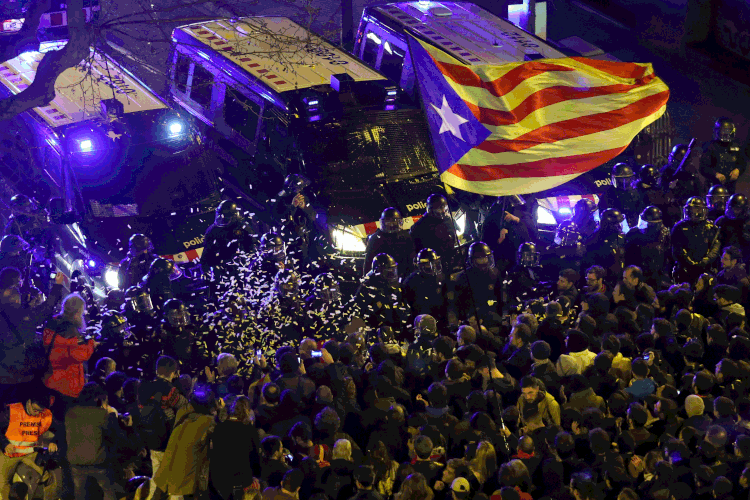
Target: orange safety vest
24 430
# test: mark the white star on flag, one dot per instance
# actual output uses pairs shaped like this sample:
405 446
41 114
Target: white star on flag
451 121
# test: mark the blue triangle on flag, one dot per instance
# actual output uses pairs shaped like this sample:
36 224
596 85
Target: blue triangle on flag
453 127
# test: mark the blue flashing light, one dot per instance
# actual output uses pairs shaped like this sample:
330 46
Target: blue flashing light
175 127
314 118
312 103
565 211
392 92
86 145
390 107
92 263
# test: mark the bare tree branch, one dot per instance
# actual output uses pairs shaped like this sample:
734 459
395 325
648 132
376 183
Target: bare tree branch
53 64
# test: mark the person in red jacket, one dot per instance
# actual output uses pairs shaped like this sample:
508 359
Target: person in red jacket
68 354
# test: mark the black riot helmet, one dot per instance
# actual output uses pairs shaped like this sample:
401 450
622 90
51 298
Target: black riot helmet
391 220
717 197
176 314
583 210
140 243
437 206
286 283
13 244
226 213
273 246
294 184
428 262
527 256
651 218
677 154
480 256
567 234
386 266
138 300
695 210
327 288
648 174
21 204
724 130
737 207
164 267
622 176
611 221
114 325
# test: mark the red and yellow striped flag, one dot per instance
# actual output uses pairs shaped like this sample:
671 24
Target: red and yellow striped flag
530 126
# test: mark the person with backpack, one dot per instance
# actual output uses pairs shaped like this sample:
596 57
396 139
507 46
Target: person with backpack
159 401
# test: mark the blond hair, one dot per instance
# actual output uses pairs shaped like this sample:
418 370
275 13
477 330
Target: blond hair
342 449
479 464
226 364
72 310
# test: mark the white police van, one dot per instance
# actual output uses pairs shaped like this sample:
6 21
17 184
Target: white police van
107 158
473 36
275 99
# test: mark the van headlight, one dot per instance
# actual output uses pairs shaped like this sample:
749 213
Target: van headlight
347 241
112 277
461 222
545 216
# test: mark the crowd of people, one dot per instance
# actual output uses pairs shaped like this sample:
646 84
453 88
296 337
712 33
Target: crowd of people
609 362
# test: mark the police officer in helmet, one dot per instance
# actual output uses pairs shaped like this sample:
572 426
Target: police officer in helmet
393 238
136 263
650 189
436 230
583 216
734 225
607 247
674 160
695 242
227 238
325 318
716 199
477 290
180 338
723 160
647 244
425 289
271 258
503 230
117 342
379 300
13 252
159 279
622 196
567 250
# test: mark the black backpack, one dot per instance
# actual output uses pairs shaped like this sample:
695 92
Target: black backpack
154 426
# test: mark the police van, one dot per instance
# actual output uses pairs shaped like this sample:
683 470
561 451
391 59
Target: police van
473 36
53 25
275 99
107 158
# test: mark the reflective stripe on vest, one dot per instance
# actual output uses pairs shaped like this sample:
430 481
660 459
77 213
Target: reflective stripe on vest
24 430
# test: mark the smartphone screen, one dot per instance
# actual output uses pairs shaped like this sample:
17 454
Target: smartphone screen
259 353
316 354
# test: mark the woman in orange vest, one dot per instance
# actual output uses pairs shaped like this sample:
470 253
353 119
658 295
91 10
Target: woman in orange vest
23 426
68 354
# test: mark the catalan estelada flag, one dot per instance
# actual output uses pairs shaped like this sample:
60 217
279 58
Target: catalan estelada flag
529 126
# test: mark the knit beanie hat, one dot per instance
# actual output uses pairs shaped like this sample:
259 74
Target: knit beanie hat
577 341
694 405
540 350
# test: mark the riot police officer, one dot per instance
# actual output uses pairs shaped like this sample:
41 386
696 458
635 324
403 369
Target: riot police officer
622 196
13 252
136 263
179 337
674 160
734 225
566 252
477 290
583 216
607 247
650 189
695 242
503 231
723 160
303 225
270 260
228 237
323 307
425 289
646 245
159 279
378 300
28 220
143 321
283 310
393 238
684 183
436 230
716 199
524 280
118 343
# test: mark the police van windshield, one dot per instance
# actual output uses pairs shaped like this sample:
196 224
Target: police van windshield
363 147
133 168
